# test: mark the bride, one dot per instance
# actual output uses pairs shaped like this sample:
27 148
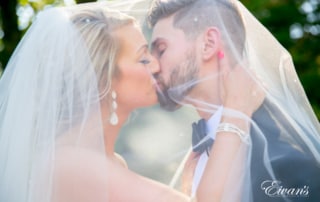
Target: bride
68 89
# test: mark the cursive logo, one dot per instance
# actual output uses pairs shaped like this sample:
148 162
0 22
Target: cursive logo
275 189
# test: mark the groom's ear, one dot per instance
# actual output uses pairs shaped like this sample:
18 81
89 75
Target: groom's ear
211 43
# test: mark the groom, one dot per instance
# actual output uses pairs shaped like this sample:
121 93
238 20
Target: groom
184 56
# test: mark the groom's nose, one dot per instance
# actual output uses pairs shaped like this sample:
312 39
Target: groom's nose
154 66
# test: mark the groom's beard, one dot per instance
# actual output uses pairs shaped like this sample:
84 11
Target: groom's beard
179 85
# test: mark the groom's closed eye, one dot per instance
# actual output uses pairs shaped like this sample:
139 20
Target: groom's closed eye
161 49
158 48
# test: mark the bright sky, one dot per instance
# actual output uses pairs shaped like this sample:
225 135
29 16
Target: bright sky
69 2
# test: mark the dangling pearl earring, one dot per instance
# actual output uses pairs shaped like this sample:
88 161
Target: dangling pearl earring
114 117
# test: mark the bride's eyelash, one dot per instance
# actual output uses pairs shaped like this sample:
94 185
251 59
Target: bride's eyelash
144 61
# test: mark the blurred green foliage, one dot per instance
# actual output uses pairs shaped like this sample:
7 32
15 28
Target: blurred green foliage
295 23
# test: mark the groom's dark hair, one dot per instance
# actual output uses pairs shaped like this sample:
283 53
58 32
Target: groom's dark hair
194 16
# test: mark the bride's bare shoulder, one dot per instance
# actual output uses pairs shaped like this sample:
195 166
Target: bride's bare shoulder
121 160
80 174
75 157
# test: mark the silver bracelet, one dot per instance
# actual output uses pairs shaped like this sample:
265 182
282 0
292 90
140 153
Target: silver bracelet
228 127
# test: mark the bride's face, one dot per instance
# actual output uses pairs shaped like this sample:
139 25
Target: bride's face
134 84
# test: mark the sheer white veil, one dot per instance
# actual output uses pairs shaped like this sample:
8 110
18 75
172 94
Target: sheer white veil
283 128
51 94
53 86
49 87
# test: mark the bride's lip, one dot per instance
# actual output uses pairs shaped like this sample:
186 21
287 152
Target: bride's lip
156 84
157 87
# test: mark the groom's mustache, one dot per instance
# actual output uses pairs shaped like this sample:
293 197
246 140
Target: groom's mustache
163 96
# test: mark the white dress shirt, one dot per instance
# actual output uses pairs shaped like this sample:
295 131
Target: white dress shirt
212 125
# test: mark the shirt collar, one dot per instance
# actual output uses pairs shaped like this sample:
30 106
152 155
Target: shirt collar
213 122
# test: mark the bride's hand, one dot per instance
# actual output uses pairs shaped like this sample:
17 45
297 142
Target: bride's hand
241 91
188 172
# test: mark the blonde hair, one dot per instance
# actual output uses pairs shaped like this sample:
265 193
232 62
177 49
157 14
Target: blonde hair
97 26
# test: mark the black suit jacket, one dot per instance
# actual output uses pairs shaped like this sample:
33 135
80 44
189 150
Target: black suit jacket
296 171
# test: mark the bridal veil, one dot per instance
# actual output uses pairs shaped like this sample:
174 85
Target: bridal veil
49 98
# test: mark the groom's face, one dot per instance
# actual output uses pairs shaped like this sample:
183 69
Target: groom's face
177 60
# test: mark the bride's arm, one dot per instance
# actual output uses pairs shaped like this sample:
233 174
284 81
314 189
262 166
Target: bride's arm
225 167
225 158
89 177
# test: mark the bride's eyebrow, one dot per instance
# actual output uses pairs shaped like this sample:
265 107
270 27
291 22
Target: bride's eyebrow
142 48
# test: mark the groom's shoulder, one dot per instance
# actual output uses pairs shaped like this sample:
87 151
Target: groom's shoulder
294 161
297 170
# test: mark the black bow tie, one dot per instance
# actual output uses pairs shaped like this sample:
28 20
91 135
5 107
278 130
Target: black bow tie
199 131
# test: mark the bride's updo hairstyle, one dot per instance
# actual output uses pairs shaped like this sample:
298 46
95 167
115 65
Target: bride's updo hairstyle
97 27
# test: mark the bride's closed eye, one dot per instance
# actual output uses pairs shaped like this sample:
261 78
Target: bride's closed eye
144 61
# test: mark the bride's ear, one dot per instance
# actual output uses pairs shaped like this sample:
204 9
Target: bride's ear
211 43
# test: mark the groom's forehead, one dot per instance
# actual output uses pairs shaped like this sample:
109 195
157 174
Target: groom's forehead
165 30
163 25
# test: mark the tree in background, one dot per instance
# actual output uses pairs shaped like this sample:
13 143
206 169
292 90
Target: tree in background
9 33
295 23
15 18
